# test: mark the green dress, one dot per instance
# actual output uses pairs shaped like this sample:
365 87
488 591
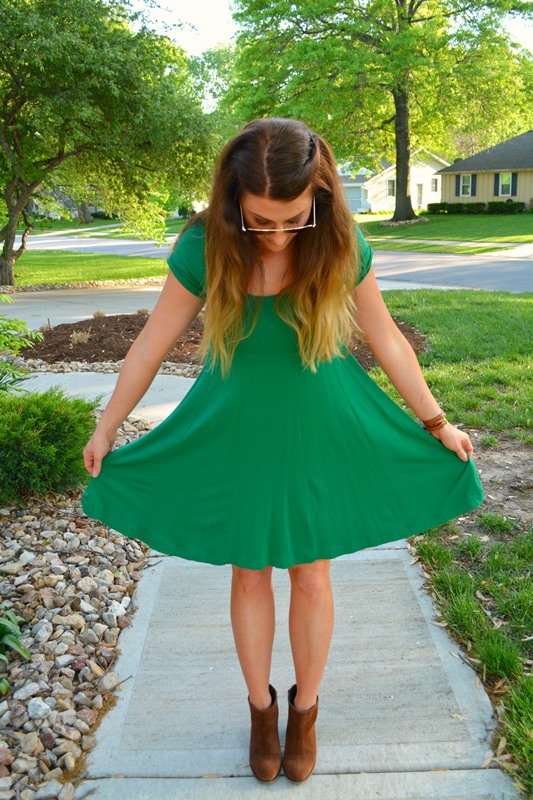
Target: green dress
275 465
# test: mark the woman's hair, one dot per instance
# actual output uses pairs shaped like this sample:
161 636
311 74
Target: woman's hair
279 159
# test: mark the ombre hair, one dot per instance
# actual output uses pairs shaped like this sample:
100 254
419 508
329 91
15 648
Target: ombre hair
279 159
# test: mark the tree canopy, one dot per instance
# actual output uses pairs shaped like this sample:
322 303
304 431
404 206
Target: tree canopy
377 77
94 103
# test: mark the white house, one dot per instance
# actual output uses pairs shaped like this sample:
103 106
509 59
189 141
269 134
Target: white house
376 191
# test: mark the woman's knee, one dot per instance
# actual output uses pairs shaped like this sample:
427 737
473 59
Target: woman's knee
250 580
310 579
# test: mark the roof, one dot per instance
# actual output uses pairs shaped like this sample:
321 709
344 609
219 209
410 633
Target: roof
515 153
365 176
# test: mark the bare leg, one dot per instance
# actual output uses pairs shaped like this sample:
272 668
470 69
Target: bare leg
253 621
310 627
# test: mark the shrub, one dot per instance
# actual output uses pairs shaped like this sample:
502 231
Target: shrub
14 335
437 208
456 208
475 208
42 435
506 207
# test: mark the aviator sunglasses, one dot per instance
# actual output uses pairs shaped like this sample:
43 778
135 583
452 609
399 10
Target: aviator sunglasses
312 224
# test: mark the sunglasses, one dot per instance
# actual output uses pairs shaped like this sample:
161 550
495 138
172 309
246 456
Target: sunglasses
260 231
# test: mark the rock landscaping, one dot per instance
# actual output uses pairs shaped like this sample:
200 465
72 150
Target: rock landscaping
71 579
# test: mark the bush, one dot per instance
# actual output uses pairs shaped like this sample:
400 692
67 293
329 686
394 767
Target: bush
437 208
42 435
506 207
455 208
14 335
475 208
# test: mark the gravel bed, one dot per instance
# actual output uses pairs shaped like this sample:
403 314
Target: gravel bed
166 368
72 580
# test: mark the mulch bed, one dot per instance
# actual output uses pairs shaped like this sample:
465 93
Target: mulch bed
110 338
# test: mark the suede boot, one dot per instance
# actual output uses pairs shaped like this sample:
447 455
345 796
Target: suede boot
300 741
265 750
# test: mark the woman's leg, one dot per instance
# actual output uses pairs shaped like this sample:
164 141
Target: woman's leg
253 621
310 627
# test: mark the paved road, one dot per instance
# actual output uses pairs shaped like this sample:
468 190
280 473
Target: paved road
509 270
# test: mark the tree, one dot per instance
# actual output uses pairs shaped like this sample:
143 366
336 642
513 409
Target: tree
94 103
367 73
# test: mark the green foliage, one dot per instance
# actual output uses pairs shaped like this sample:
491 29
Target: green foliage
96 106
10 636
14 336
341 66
457 208
41 440
505 207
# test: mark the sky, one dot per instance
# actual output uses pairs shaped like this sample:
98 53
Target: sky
205 23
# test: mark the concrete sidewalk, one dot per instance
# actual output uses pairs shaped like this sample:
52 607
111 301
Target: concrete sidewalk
402 717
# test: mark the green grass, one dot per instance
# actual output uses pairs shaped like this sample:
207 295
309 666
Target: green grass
172 227
66 225
517 228
423 247
484 589
479 362
61 266
103 228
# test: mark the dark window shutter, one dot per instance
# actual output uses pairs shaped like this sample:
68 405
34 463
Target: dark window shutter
496 184
457 185
514 184
473 183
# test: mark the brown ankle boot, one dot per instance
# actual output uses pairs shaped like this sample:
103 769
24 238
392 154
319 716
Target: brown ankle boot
265 750
300 741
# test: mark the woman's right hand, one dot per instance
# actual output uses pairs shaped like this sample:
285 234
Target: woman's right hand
96 449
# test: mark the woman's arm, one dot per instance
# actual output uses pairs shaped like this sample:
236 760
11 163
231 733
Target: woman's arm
173 313
398 360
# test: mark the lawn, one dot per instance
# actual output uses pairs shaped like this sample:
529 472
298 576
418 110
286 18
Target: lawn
62 266
428 247
102 228
69 225
479 364
512 228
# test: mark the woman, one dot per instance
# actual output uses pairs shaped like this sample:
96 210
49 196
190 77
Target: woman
284 453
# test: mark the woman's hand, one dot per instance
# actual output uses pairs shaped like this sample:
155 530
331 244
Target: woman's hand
96 449
456 440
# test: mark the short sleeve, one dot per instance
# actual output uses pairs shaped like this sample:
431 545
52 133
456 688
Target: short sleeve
187 260
365 256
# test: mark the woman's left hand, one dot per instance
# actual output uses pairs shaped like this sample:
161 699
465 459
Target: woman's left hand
456 440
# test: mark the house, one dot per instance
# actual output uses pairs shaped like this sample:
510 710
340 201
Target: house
369 191
502 172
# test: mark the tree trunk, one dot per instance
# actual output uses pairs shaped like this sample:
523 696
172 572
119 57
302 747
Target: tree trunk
404 208
17 196
7 256
84 214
